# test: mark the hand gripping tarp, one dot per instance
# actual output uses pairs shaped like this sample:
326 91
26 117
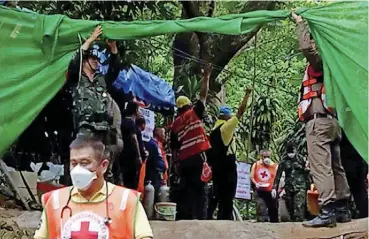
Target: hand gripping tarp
35 51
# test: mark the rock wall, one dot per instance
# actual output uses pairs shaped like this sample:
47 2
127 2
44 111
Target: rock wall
22 225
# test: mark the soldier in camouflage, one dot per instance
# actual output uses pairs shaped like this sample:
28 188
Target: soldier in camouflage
90 89
296 180
93 106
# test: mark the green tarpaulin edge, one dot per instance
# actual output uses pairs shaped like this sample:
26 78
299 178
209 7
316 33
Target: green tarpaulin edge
28 83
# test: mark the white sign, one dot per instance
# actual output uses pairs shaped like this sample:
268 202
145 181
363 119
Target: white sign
243 181
149 116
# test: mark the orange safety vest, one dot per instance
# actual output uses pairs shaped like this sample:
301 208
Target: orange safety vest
86 220
191 134
307 94
141 180
265 174
164 156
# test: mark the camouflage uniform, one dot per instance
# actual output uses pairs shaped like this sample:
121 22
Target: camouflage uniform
296 180
91 100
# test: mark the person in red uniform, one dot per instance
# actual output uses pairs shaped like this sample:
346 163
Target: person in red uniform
189 143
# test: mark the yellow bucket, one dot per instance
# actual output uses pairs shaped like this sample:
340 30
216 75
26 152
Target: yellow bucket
166 211
312 200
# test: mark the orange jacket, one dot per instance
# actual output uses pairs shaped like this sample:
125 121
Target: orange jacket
191 134
264 174
86 220
164 156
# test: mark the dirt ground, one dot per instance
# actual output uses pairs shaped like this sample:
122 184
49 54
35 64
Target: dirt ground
16 224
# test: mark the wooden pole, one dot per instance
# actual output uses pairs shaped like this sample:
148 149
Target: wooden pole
251 104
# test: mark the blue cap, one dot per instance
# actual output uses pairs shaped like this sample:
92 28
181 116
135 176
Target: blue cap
225 110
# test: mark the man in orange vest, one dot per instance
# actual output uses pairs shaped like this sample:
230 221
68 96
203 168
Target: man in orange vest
159 137
323 135
262 177
190 142
92 208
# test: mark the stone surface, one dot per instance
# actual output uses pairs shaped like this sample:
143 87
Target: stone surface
28 219
358 229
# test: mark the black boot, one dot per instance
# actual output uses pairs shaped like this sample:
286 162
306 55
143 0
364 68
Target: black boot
343 213
326 218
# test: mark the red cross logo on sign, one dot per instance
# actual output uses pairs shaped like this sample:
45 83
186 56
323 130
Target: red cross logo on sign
84 233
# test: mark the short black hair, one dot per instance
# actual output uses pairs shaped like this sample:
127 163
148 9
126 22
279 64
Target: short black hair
290 147
131 108
86 140
140 121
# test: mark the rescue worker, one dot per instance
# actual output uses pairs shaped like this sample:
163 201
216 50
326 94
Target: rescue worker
155 164
161 140
133 152
296 178
92 207
91 99
323 135
222 159
190 142
262 176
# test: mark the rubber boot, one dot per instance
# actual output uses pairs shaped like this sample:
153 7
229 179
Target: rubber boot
343 213
326 218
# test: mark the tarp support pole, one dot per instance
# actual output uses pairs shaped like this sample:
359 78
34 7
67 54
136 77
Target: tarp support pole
251 104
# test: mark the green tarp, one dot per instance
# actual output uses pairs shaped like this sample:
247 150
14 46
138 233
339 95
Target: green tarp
35 51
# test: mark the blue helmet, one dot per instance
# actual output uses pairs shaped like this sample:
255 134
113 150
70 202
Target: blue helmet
225 110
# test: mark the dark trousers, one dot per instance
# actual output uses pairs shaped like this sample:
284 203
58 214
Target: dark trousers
271 205
356 175
224 190
130 172
191 202
356 170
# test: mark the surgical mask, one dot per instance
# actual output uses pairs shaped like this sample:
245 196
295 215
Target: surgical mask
267 161
291 155
82 178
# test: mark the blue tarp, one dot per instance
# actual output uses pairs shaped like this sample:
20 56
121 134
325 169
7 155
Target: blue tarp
146 86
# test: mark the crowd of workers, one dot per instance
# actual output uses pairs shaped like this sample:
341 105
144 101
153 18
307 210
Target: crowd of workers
108 150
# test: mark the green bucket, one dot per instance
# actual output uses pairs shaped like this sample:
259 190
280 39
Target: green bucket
166 211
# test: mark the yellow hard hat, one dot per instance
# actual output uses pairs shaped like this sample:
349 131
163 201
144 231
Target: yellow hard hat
182 101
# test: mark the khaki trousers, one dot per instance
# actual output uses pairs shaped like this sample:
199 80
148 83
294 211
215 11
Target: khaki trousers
323 136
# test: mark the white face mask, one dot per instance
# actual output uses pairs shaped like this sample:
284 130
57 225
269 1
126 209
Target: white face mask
291 155
82 178
267 161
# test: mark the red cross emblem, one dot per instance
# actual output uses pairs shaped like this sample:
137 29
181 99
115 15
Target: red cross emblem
84 233
264 174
